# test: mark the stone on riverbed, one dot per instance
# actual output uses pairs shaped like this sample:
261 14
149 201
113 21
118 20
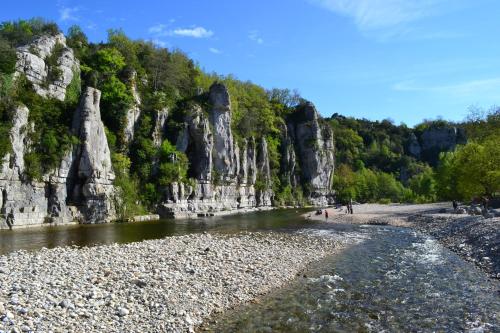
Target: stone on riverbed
167 285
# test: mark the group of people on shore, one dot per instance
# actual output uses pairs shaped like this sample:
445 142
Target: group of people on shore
349 209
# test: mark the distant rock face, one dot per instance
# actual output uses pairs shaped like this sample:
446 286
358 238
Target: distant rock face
434 140
134 112
313 144
414 148
442 138
13 163
196 140
160 122
31 61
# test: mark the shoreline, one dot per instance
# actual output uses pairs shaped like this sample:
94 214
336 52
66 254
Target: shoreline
171 284
474 238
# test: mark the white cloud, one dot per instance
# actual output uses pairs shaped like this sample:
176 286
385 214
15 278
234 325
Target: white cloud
214 50
68 13
196 32
378 14
254 36
157 29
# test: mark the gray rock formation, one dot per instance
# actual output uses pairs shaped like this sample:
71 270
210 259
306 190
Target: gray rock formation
413 146
196 140
21 203
93 186
434 140
313 144
264 192
81 189
442 138
225 175
134 112
160 122
220 118
31 61
13 163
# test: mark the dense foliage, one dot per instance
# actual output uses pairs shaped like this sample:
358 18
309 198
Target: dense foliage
473 170
373 155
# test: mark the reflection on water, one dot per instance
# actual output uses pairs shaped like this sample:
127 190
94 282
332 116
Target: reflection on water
394 281
86 235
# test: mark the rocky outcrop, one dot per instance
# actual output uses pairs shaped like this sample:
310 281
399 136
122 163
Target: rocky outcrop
413 146
160 122
93 184
196 140
313 152
225 175
434 140
220 119
134 112
442 138
21 203
32 61
81 189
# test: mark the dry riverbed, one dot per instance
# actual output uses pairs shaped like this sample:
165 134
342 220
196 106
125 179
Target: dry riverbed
475 238
172 284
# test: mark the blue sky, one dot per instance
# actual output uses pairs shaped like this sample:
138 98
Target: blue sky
400 59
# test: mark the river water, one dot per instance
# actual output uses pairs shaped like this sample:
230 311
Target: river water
395 280
88 235
392 280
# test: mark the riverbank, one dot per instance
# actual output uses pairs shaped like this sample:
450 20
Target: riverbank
475 238
172 284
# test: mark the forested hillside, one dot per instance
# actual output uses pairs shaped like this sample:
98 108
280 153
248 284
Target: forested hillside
159 109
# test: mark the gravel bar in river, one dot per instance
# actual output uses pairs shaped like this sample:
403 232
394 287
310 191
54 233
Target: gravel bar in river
167 285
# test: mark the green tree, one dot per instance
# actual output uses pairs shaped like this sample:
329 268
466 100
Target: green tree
109 61
343 183
173 165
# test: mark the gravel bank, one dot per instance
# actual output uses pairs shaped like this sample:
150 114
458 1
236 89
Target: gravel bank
164 285
393 214
474 238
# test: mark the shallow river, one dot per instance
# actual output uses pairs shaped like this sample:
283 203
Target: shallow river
392 280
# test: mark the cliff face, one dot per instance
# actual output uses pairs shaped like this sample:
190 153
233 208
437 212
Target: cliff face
81 189
308 154
228 174
225 174
32 61
434 140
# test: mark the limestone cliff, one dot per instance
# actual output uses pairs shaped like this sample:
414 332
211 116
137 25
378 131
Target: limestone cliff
93 173
434 140
32 61
225 174
81 189
134 112
308 144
